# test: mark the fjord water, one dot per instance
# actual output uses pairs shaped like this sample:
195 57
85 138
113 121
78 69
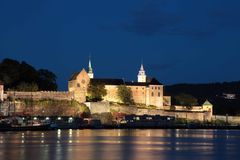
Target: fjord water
120 144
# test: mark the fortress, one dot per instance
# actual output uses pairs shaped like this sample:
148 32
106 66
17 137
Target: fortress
147 91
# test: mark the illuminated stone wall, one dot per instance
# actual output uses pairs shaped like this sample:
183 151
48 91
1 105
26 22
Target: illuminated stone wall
41 95
190 115
79 86
1 92
111 93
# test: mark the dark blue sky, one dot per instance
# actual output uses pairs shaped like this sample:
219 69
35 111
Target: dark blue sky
179 41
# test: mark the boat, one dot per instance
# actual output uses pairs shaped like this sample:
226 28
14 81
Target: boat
9 125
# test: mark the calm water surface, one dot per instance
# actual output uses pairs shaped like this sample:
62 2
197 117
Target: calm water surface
120 145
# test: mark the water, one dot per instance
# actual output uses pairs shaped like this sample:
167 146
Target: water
120 145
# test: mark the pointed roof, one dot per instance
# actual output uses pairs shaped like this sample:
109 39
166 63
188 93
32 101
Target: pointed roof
107 81
150 81
90 70
142 69
74 75
206 103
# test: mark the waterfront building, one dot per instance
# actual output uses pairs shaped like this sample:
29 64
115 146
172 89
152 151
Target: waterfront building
147 91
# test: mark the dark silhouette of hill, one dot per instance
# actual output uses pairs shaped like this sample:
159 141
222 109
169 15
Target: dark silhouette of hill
224 96
22 76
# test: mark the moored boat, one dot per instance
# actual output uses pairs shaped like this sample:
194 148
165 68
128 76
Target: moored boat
12 124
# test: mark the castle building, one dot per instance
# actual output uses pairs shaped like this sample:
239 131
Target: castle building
147 91
1 91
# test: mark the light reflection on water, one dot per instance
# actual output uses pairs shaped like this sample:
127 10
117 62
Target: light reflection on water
120 144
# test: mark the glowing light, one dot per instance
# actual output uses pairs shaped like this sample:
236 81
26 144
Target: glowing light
59 118
59 133
42 135
35 118
70 133
47 118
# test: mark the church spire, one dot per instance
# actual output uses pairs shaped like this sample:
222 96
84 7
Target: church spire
141 74
142 68
90 70
90 66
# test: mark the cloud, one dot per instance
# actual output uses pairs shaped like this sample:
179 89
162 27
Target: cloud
225 18
194 32
191 19
150 20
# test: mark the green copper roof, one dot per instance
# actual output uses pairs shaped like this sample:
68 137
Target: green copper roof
207 103
90 70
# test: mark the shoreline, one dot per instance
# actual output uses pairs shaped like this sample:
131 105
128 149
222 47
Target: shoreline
109 127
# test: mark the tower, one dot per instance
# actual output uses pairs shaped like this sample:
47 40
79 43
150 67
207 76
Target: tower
90 70
142 75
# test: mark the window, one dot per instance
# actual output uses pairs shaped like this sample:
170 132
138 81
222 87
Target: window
155 87
78 85
159 94
136 87
159 88
152 94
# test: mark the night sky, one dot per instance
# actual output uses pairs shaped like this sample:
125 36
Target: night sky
193 41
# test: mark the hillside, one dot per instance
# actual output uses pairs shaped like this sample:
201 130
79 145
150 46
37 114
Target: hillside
225 97
22 76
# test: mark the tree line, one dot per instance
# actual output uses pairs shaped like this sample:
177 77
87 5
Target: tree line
198 93
22 76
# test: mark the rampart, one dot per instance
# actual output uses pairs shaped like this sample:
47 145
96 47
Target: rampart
228 119
56 95
190 115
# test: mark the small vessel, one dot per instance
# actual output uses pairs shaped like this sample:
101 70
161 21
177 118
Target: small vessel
13 124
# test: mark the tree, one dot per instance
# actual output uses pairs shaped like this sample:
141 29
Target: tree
185 100
47 80
9 72
28 87
16 75
125 94
96 92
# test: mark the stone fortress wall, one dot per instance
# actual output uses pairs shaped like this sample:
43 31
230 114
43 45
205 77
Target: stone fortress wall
1 92
55 95
103 107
